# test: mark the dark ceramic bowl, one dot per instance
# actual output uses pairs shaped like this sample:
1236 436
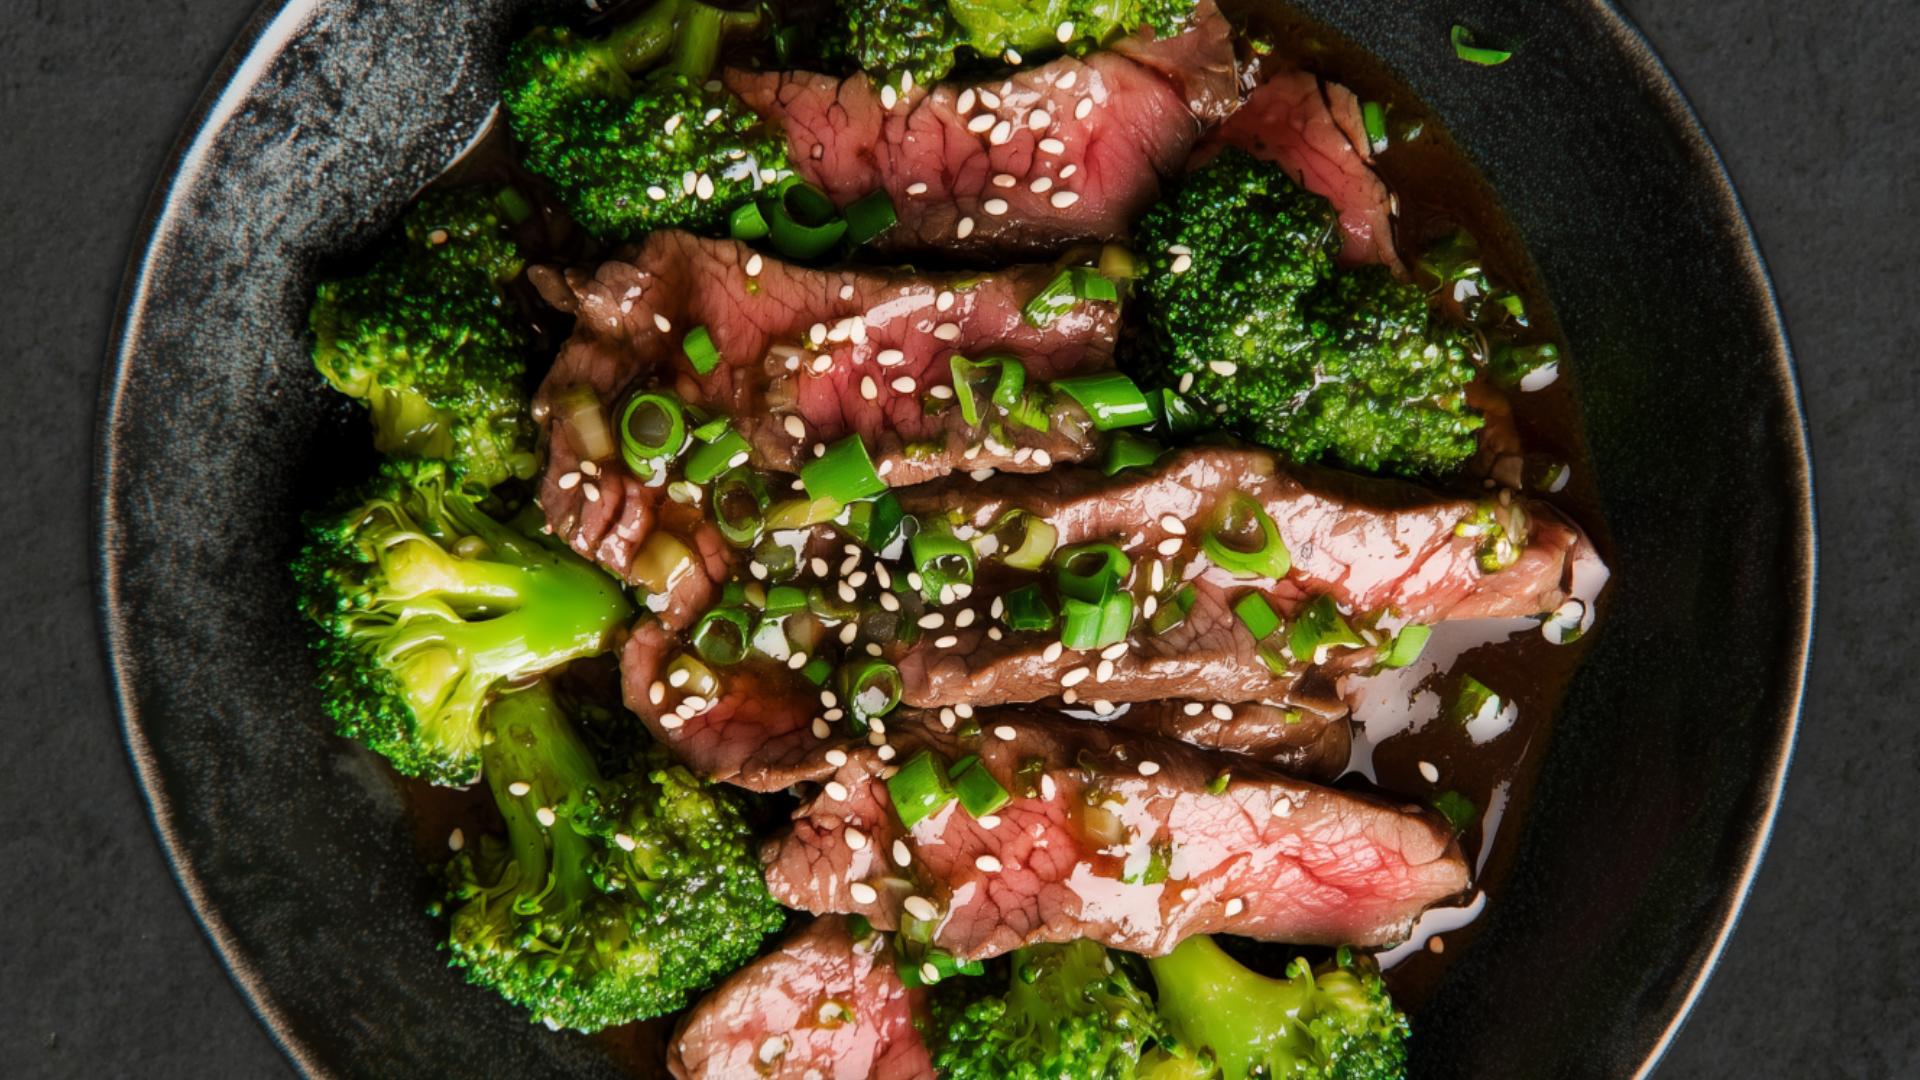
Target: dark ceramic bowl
1656 798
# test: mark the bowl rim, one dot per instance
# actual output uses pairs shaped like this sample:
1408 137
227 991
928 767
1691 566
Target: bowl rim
278 22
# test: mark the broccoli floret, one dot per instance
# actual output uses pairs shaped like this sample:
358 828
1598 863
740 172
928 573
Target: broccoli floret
630 146
891 38
611 899
423 604
1242 295
429 341
920 37
1331 1022
1065 1010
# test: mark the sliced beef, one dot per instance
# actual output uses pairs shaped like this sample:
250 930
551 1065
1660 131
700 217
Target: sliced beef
1294 120
884 340
1132 840
1014 168
822 1007
1298 741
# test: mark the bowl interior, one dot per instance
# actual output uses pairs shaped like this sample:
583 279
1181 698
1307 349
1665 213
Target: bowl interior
293 845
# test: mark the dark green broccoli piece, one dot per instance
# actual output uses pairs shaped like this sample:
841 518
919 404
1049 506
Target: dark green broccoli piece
423 605
920 38
611 899
629 146
1242 296
429 341
1063 1011
891 38
1333 1022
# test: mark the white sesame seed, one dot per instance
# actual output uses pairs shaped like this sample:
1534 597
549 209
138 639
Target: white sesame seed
1170 546
657 692
626 842
1186 382
1005 180
888 98
1048 789
858 579
836 758
759 570
1173 525
660 321
1075 677
820 728
902 856
990 99
913 579
689 181
883 575
932 621
1182 264
966 711
1194 708
1063 199
797 661
867 389
772 1049
1179 249
1064 33
918 188
1053 652
695 702
965 103
1235 906
1103 707
822 363
1066 80
1222 711
947 331
827 699
519 788
818 565
678 678
673 123
1148 768
964 618
942 392
456 840
712 115
545 817
832 714
980 123
1104 671
996 207
890 357
1002 132
848 596
1149 606
947 718
656 192
704 189
886 752
987 864
979 475
1052 146
1081 110
862 893
889 602
590 468
946 641
998 608
929 973
1042 459
920 908
856 839
903 385
1013 56
754 263
991 821
1070 696
1114 651
591 491
569 481
673 721
1041 186
966 228
1430 771
1223 367
1004 732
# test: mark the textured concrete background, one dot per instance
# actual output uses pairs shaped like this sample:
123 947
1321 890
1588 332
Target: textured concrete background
104 974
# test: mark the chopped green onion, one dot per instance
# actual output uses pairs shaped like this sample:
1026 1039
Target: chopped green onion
844 473
1464 48
830 607
920 789
964 372
874 522
941 559
1270 559
1126 450
802 221
868 689
1091 572
1457 809
1257 615
747 222
802 513
1118 263
1110 398
722 635
712 429
739 506
1025 609
1013 379
817 670
1096 626
869 216
1028 410
770 637
1068 287
944 965
733 594
699 678
980 794
1175 610
700 350
1373 116
1176 413
513 204
1220 781
1036 543
1521 366
711 459
1407 646
1476 701
785 600
653 428
1318 626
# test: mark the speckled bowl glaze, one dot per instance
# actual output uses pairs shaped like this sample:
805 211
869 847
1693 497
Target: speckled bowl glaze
1657 796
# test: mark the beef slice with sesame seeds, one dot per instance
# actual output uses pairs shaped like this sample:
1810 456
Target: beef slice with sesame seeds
823 1006
1291 120
887 337
1133 840
1298 741
1082 144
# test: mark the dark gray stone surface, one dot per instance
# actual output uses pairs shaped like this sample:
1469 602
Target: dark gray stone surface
105 973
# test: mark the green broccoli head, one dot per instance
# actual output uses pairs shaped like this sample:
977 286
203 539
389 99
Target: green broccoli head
1332 1022
1244 299
630 146
1036 27
429 341
610 900
1066 1010
891 38
423 605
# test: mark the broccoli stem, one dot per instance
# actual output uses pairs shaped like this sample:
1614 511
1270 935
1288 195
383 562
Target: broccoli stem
692 31
1209 1000
534 744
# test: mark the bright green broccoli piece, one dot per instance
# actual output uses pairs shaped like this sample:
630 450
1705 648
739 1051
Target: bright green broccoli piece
1333 1022
1034 27
891 38
1064 1011
629 129
429 341
611 899
1242 295
423 605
